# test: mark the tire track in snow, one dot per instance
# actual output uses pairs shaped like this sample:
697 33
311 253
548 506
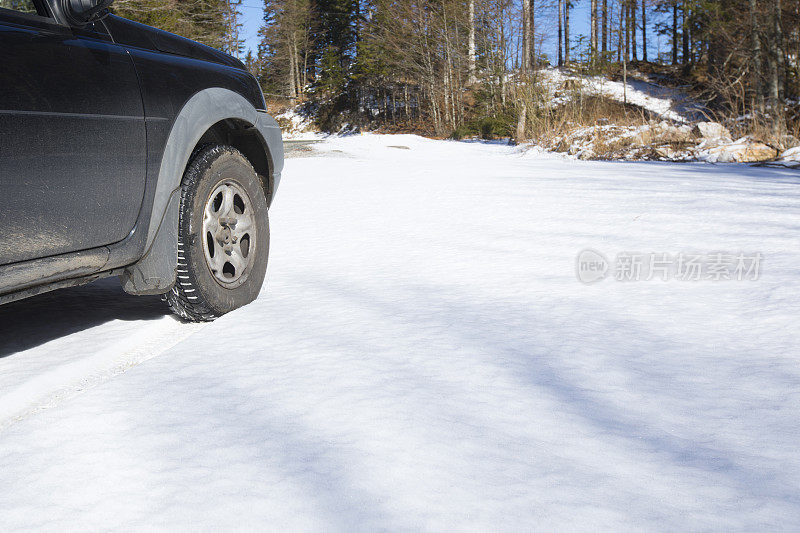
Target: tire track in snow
141 342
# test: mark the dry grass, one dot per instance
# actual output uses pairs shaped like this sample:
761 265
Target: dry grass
549 125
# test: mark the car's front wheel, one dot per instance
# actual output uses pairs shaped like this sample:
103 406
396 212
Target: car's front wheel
223 236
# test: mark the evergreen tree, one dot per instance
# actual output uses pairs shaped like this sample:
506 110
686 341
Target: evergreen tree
205 21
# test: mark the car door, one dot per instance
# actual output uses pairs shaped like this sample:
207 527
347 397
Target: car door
72 136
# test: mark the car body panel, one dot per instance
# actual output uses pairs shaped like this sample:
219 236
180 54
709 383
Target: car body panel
72 141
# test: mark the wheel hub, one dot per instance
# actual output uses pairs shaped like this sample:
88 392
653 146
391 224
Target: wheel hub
225 237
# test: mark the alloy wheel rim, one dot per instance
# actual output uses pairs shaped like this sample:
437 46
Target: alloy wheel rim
229 234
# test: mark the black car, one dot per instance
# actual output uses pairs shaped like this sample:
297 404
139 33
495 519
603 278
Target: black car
128 151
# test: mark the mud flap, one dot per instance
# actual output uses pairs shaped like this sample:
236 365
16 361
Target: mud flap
155 272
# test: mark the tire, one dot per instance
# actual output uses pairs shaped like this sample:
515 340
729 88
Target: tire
223 236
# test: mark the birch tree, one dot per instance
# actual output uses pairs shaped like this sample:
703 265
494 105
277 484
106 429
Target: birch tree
471 52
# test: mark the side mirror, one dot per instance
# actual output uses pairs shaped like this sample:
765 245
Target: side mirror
82 12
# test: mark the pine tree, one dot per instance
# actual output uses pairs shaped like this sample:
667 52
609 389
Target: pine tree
205 21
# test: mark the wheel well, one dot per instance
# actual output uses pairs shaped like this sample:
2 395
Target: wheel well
245 138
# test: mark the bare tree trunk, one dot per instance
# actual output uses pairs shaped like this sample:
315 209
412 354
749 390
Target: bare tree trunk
633 30
447 74
526 35
797 51
686 54
305 63
567 6
593 30
775 72
560 32
674 32
299 87
292 69
533 34
503 56
755 43
624 22
625 81
788 45
521 122
522 119
621 32
644 30
627 52
605 26
472 53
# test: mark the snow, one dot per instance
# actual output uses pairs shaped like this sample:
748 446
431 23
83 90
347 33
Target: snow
792 154
608 141
721 151
298 126
423 357
669 103
64 366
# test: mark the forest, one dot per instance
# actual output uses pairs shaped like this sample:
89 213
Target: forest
455 68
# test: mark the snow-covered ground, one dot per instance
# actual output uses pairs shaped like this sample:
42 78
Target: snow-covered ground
423 357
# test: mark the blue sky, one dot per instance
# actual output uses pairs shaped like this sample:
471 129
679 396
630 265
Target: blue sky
252 14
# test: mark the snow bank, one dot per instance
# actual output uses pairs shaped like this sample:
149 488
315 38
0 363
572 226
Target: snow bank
792 154
423 358
744 150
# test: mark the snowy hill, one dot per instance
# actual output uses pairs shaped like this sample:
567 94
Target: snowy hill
668 103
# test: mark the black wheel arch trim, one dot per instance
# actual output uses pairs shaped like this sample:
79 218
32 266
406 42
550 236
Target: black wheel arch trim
153 273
